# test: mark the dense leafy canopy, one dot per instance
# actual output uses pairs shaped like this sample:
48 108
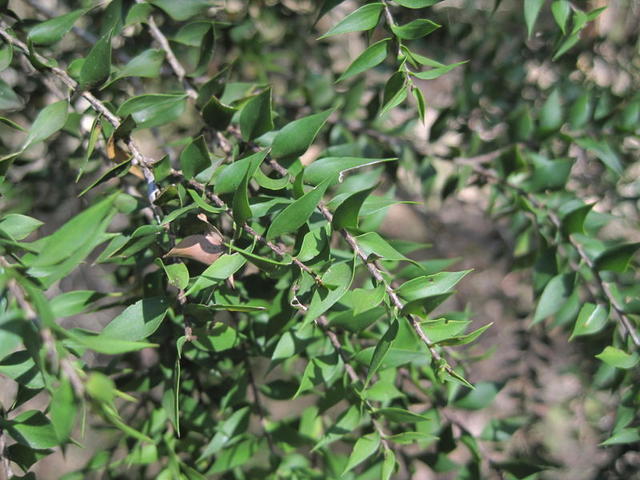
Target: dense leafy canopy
193 253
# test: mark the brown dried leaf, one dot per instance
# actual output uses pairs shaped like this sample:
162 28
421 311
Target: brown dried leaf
205 248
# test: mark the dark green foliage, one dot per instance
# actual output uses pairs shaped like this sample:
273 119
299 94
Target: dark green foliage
192 253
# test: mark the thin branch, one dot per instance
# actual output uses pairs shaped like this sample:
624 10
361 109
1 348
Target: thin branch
376 273
138 157
602 286
261 410
387 14
175 64
272 246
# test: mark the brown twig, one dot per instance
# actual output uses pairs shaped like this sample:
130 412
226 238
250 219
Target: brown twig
174 63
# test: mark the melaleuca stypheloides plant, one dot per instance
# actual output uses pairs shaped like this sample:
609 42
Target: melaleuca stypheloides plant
197 278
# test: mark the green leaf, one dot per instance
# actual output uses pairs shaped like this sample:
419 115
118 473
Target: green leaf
623 436
334 168
364 18
206 51
339 275
561 9
193 33
195 158
97 65
416 3
418 28
241 207
591 319
604 152
464 339
406 438
63 410
201 202
256 116
74 302
549 174
217 339
382 347
430 285
346 215
294 139
573 221
118 170
395 92
218 271
422 104
373 56
618 358
616 259
566 45
531 12
20 367
31 428
138 13
182 10
232 175
147 65
9 100
11 333
480 397
373 243
400 415
314 243
297 213
217 114
50 119
104 343
345 423
177 273
235 455
362 299
52 31
365 447
100 387
112 417
237 423
321 369
19 226
389 462
292 342
74 234
444 329
551 114
6 56
153 110
137 321
263 263
437 72
500 430
554 296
